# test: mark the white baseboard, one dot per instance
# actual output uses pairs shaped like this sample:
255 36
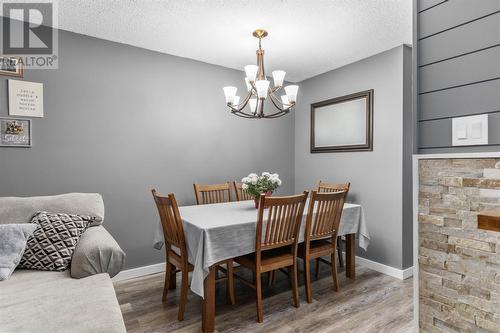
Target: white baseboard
408 273
139 271
401 274
376 266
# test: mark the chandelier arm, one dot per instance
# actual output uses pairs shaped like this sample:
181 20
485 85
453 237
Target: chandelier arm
275 115
279 105
280 113
274 98
254 88
275 89
242 105
243 114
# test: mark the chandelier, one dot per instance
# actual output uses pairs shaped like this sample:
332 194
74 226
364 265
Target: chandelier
259 88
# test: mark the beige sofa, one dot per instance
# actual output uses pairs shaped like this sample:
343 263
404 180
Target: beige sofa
81 299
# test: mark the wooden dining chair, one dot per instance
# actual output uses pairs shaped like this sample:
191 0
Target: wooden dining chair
320 235
323 187
211 194
176 252
241 194
275 242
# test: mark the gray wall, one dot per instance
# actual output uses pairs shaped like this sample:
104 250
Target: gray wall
120 120
458 69
377 176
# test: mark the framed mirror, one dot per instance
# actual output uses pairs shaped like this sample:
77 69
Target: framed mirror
343 124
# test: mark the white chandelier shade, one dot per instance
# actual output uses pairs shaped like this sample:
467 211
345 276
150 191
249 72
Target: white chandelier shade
259 89
262 86
236 100
251 72
253 104
247 83
284 100
291 93
278 77
230 92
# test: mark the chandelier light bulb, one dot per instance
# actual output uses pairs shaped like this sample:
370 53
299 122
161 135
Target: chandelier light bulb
278 77
262 86
229 92
291 92
236 100
251 72
253 104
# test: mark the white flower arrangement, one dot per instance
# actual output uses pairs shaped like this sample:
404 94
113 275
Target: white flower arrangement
255 184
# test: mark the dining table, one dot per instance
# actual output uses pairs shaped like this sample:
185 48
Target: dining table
217 232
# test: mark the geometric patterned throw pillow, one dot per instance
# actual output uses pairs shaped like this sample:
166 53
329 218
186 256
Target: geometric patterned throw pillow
51 246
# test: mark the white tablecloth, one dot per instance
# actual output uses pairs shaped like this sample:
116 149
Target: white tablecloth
221 231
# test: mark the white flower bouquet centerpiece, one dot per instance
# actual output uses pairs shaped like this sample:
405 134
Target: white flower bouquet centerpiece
256 185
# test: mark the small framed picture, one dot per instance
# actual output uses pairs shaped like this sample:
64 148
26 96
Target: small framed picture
15 132
25 98
11 66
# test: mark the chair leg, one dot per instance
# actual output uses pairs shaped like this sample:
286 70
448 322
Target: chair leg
168 275
273 281
307 280
333 266
339 251
173 278
184 291
316 274
258 291
270 278
230 282
295 289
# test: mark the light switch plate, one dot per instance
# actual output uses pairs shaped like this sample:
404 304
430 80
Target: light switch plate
461 131
471 130
476 129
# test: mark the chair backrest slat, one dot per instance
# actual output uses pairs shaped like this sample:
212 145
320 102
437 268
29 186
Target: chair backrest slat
210 194
241 194
284 215
171 221
324 214
323 187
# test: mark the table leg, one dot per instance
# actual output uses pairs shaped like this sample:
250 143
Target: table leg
208 311
350 253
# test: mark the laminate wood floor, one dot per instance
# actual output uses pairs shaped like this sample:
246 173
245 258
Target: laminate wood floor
374 302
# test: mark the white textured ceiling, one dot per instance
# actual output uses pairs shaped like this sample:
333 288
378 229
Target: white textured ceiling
306 37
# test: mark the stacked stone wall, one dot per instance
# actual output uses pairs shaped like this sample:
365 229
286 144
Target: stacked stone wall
459 264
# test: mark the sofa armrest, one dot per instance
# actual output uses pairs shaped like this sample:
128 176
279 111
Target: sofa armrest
96 252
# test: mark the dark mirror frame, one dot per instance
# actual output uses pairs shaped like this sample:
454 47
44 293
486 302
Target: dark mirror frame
368 145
